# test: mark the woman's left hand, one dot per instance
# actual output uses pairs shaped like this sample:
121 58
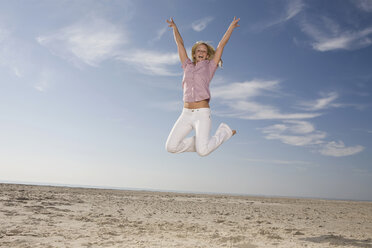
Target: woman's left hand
234 23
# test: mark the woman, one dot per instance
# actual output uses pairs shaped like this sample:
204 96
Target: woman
196 112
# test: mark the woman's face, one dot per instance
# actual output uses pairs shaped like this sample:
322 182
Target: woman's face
201 53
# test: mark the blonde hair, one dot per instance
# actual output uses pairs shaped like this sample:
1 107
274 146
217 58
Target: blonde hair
210 51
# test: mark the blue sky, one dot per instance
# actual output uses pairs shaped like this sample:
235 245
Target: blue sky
89 91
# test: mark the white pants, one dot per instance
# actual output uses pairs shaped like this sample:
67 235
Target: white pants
202 143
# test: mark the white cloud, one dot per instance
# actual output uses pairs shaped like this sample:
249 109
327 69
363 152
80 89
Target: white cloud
321 103
244 90
291 10
12 52
152 62
297 140
239 98
302 133
327 102
296 133
19 57
338 149
365 5
327 36
159 34
201 24
89 41
92 41
301 127
294 7
347 40
251 110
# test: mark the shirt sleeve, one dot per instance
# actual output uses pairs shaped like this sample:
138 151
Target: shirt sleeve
212 67
187 62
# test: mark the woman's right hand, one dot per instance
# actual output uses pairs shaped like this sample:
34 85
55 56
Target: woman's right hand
171 23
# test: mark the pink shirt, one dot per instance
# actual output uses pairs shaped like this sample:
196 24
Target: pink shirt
196 79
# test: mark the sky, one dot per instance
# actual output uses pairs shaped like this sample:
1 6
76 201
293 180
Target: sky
89 91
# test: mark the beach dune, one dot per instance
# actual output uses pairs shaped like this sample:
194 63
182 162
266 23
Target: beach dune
46 216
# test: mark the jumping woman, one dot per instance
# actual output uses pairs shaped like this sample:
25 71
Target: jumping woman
196 113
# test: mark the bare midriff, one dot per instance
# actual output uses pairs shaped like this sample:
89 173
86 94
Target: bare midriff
196 105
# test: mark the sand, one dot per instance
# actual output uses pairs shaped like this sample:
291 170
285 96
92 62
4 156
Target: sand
44 216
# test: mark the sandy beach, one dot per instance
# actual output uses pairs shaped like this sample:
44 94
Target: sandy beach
45 216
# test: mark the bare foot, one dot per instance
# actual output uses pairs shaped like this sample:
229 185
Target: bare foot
234 132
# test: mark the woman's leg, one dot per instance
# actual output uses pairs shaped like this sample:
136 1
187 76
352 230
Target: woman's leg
177 141
203 142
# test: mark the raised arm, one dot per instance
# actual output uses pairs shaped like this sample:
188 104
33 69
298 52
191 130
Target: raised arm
179 41
224 40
